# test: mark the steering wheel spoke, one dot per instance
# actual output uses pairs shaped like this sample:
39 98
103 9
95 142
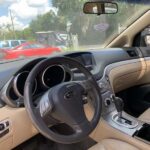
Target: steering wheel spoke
48 119
45 105
44 108
81 128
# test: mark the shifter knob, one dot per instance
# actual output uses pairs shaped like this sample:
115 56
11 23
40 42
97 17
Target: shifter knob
119 104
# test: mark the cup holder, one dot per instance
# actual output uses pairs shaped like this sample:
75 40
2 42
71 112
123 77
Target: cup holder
143 133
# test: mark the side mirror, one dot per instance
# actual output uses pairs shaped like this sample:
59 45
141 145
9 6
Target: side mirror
147 40
100 8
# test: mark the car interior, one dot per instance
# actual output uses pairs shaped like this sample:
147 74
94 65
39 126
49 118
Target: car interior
94 99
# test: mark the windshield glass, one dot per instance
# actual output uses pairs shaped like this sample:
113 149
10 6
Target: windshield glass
60 25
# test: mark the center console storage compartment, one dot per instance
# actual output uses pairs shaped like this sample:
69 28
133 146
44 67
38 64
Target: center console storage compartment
143 133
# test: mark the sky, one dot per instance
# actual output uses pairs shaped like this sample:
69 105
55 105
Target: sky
23 11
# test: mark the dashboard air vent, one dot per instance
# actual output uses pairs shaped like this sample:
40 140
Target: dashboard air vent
132 53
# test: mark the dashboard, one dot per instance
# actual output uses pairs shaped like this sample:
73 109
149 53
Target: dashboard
13 74
13 92
114 69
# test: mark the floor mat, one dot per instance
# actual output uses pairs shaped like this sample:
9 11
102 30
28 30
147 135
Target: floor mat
41 143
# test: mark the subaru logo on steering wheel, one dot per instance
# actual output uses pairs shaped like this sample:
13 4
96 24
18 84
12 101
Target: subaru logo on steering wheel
68 95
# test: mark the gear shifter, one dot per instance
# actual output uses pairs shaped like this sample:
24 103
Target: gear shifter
118 104
125 120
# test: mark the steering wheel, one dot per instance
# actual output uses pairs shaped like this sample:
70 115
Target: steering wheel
63 103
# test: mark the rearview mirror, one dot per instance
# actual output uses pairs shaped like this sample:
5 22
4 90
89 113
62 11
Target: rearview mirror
100 8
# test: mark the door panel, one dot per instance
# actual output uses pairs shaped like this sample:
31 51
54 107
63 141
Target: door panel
125 39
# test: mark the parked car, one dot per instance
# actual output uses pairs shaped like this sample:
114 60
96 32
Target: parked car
8 44
54 38
2 53
29 49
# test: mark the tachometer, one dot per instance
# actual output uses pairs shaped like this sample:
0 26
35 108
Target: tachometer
19 83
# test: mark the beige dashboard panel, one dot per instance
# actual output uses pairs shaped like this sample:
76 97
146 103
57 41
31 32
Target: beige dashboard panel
126 81
6 144
21 128
126 74
146 78
125 39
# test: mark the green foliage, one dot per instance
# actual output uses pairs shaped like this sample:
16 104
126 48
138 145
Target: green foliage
23 34
27 34
68 8
47 22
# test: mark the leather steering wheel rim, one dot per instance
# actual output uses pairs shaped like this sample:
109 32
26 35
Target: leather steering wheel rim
37 119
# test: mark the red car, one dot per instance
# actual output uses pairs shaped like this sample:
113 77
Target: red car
29 49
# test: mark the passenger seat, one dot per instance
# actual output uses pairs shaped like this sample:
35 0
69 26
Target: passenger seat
145 117
112 144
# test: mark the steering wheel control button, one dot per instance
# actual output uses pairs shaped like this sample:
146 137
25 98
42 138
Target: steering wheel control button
85 99
45 105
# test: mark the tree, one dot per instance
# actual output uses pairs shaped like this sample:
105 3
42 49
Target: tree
84 26
72 11
47 22
68 7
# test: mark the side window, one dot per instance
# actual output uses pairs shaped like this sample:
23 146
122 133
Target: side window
5 44
14 43
20 48
32 45
37 46
142 39
22 41
27 47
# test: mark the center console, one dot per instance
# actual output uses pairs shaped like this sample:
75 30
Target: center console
115 116
128 124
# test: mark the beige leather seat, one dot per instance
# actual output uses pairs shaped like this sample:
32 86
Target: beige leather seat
145 117
111 144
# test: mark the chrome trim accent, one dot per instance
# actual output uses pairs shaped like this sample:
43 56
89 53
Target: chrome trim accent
120 122
15 84
71 74
4 95
123 129
109 67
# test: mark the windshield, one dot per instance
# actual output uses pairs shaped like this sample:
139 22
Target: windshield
60 25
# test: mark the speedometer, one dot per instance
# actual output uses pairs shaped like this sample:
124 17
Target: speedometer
53 75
